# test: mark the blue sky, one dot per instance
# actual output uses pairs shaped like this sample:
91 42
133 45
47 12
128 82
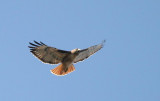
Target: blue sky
126 69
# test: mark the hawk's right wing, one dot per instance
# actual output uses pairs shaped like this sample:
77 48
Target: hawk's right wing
85 53
47 54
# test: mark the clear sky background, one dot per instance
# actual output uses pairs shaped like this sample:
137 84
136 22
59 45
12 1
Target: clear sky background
126 69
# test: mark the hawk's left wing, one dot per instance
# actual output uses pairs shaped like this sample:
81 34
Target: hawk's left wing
85 53
47 54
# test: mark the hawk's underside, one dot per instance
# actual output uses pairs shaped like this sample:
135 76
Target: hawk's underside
53 55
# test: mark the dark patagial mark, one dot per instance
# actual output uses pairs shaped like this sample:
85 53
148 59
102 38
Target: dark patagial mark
63 51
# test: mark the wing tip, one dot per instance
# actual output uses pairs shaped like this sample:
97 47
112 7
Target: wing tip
36 44
103 43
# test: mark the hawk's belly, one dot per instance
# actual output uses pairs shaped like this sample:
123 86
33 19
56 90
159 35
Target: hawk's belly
68 60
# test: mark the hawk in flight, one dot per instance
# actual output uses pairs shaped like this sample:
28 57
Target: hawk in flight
53 55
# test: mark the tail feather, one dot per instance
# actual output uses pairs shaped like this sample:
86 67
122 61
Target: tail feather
60 70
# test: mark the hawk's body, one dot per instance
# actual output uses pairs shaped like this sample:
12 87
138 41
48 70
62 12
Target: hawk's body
53 55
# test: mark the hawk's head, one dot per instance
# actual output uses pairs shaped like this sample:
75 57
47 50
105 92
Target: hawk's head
75 50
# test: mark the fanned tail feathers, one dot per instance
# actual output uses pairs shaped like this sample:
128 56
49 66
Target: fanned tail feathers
61 71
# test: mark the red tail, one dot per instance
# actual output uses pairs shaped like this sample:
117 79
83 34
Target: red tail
60 70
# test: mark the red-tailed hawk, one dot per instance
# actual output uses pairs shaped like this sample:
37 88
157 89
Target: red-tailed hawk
53 55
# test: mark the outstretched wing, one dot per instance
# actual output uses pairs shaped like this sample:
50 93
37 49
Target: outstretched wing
85 53
47 54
